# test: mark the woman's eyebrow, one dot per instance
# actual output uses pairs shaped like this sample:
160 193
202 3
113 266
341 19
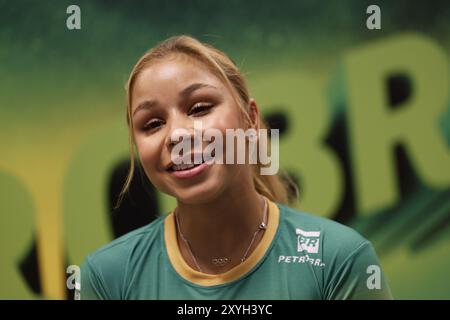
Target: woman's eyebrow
144 105
195 86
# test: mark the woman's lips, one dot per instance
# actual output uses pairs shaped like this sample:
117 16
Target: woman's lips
192 172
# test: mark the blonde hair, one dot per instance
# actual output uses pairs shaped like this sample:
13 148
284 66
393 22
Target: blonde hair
226 70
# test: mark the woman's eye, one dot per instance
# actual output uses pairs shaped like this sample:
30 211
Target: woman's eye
200 108
153 124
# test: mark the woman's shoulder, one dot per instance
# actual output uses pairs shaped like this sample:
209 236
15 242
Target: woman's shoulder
340 258
106 270
133 241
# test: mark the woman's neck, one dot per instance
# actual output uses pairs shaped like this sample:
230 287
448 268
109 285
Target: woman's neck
221 228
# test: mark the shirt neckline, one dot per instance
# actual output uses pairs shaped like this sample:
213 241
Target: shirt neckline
203 279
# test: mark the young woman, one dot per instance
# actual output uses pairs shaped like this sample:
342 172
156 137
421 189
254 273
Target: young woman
231 235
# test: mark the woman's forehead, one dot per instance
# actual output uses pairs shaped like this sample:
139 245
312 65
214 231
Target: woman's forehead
171 76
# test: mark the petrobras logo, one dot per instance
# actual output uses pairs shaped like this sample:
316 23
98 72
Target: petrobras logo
308 241
301 259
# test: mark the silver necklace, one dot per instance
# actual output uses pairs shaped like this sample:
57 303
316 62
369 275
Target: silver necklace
222 261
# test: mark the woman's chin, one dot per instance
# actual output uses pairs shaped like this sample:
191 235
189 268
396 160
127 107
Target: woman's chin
197 194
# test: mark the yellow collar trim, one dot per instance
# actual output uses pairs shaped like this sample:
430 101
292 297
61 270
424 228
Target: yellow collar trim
204 279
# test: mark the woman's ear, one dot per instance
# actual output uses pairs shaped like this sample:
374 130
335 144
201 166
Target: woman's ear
253 112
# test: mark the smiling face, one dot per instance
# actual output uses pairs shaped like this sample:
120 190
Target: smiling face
172 94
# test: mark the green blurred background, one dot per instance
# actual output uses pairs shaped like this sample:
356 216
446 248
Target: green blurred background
364 116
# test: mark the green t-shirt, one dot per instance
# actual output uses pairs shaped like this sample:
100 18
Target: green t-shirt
300 256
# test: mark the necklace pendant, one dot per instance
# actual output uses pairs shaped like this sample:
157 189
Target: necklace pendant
220 262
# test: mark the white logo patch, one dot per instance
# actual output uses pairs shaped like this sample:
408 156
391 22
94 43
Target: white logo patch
308 241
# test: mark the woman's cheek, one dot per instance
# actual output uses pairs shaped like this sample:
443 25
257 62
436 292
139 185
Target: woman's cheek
221 121
147 155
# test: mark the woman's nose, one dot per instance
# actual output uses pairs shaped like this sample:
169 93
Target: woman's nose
179 130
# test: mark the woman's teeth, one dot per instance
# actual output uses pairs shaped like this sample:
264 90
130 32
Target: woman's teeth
183 166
